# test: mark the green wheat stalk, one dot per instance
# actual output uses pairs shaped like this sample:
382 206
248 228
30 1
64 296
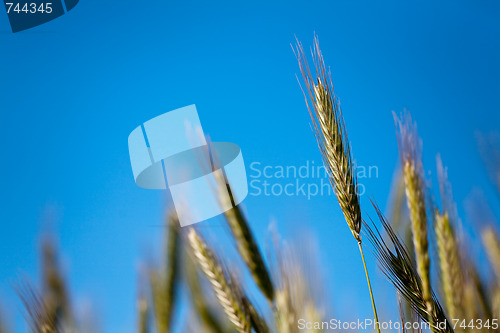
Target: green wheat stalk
245 241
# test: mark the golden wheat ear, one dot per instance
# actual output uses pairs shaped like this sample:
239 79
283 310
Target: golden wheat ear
331 135
396 264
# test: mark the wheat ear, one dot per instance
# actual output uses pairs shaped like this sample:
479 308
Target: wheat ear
409 150
143 312
492 245
331 136
397 266
496 303
333 143
209 320
163 281
449 264
225 291
39 315
54 290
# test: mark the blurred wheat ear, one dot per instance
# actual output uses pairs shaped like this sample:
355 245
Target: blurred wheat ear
3 328
409 150
39 316
450 263
333 143
143 310
209 321
491 243
477 292
55 292
397 266
163 281
227 293
299 287
48 311
489 147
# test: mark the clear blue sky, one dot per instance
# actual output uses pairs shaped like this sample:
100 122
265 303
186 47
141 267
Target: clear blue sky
73 89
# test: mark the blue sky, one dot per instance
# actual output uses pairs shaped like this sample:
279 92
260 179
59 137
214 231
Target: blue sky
74 88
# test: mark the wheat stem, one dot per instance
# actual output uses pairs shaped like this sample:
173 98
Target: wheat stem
248 249
369 287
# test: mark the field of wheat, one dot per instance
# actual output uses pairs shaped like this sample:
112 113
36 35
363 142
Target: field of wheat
461 299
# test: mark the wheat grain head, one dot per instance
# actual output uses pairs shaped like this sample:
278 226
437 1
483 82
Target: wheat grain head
397 266
163 280
331 135
227 294
409 150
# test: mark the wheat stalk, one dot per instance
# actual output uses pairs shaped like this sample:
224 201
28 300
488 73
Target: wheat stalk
225 291
396 265
245 242
333 143
409 149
